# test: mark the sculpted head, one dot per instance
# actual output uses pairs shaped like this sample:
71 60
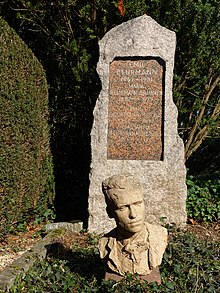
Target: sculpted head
125 203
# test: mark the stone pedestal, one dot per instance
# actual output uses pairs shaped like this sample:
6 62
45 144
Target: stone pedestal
154 276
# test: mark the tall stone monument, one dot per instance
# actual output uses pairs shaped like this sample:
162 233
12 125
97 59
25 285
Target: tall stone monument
135 122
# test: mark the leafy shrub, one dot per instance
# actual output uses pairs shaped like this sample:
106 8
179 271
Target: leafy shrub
26 164
203 200
189 265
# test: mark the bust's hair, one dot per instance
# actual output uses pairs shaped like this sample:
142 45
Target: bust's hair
121 181
124 181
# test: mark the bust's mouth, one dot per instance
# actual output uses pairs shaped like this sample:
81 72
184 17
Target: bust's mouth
136 222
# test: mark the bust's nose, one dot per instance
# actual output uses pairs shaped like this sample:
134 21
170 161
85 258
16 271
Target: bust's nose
132 212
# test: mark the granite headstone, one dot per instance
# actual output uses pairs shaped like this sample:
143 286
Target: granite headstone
135 122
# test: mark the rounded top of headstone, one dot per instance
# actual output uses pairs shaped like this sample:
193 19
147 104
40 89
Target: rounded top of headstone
140 36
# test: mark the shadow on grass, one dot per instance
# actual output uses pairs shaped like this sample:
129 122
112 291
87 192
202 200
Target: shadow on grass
84 262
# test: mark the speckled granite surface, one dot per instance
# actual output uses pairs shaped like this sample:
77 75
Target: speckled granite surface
135 122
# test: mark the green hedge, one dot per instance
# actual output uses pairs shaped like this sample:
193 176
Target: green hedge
26 174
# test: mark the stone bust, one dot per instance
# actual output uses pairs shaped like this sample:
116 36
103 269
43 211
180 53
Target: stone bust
134 246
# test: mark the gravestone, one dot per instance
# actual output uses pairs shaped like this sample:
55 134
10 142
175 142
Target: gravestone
135 122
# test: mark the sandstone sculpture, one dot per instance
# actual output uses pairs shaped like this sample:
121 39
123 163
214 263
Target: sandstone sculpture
133 246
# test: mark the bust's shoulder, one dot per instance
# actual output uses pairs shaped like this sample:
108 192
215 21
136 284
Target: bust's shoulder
107 242
108 237
156 230
111 233
157 237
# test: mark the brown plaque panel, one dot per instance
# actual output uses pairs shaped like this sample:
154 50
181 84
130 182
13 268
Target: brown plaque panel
135 110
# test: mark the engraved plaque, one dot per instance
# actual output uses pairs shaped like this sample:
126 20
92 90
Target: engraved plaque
135 110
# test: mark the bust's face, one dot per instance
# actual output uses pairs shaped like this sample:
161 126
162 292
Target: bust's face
129 212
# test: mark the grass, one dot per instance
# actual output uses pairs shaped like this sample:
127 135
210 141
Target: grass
73 265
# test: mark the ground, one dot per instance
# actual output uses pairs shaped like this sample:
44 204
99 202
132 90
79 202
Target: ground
13 246
206 232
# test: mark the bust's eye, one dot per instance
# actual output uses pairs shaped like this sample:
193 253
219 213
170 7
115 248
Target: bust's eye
122 208
138 203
